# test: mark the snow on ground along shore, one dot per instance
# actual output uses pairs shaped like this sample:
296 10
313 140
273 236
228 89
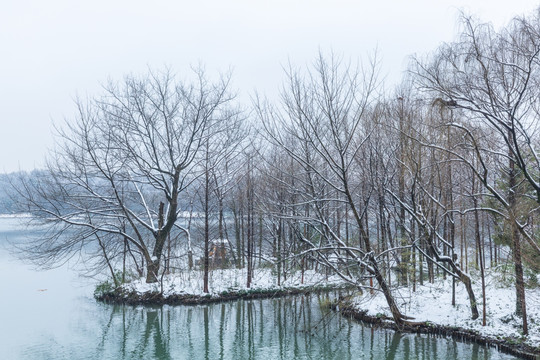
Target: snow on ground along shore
433 303
229 280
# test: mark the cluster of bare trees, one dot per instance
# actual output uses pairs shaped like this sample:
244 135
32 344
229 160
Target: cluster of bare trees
490 79
116 178
383 190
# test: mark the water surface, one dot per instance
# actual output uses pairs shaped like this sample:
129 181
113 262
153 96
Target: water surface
52 315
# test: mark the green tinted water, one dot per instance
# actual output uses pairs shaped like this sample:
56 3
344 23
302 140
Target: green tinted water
64 322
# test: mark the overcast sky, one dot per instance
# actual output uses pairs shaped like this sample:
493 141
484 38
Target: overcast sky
52 50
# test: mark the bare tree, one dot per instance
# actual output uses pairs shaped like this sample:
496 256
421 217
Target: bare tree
121 165
321 125
218 166
492 77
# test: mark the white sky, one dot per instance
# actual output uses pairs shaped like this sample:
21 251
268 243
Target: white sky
52 50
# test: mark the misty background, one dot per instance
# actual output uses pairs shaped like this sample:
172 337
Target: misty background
54 51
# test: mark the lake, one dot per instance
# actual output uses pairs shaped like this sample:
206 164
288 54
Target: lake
52 315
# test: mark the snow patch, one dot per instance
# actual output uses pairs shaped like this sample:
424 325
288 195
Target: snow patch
221 280
433 303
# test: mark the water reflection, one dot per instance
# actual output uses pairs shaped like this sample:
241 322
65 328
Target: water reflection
64 322
288 328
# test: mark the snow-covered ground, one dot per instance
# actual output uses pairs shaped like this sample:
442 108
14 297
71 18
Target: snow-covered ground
433 303
430 302
191 283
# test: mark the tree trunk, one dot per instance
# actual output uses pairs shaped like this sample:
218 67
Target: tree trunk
152 269
206 226
456 270
521 305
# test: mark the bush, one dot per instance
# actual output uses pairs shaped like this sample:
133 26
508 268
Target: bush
105 287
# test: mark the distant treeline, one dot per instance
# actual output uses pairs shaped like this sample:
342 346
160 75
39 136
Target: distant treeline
7 203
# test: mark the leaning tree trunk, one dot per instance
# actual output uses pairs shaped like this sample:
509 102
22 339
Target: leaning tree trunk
399 318
464 277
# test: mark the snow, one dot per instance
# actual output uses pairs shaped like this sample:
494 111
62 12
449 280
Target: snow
15 216
220 241
191 282
188 214
430 302
433 303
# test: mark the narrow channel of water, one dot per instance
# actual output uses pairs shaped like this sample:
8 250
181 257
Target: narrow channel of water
51 315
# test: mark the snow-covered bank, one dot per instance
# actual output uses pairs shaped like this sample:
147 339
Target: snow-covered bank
433 303
228 280
224 284
430 305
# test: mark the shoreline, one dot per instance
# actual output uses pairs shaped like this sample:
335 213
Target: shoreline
506 346
509 346
155 298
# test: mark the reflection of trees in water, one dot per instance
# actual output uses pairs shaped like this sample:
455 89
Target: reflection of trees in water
284 328
136 334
